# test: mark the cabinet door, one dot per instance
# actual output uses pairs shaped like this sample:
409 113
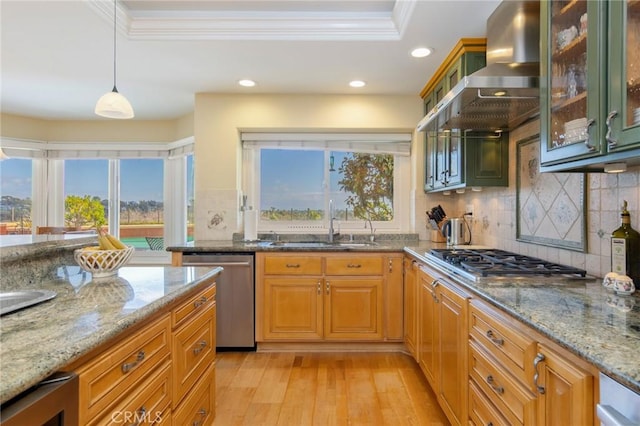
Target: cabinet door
293 308
624 74
393 298
410 306
353 308
452 347
430 177
565 390
571 117
454 158
440 159
427 345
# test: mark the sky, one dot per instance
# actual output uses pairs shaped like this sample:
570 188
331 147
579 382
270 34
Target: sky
290 179
141 179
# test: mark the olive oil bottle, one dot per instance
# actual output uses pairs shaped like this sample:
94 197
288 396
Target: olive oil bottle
625 248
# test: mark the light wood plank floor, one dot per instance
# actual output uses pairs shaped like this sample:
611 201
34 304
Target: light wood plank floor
323 389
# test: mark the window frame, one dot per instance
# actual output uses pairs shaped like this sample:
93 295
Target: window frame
48 182
254 143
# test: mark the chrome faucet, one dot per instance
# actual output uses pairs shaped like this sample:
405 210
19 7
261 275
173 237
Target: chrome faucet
332 233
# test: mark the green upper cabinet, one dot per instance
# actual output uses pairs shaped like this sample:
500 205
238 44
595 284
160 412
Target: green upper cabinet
590 84
455 159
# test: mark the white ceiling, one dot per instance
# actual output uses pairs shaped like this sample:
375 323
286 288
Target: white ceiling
57 56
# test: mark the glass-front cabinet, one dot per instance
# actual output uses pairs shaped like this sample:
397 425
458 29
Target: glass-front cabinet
590 83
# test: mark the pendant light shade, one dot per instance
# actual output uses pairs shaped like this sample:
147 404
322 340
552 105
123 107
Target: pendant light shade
113 104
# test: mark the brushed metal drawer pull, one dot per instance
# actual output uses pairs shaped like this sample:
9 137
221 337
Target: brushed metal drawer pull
203 415
128 366
200 302
613 142
139 416
354 265
293 265
327 287
539 358
201 345
494 339
491 382
319 288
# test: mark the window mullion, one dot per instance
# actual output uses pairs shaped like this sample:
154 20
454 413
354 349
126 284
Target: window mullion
114 198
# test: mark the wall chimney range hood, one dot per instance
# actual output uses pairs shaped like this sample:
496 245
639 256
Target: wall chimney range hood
507 91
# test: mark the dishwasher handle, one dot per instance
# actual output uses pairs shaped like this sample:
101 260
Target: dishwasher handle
223 264
609 416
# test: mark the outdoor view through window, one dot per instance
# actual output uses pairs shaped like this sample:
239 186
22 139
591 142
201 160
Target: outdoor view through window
86 197
293 185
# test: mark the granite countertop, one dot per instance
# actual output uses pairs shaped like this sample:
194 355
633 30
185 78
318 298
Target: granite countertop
37 341
581 315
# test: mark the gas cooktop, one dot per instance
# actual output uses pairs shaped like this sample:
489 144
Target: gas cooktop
478 263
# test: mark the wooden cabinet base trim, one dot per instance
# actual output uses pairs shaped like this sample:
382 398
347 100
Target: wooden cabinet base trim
331 347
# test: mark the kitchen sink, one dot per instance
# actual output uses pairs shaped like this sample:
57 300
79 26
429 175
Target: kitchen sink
13 300
316 244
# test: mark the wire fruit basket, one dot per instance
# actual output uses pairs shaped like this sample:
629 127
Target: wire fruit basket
102 263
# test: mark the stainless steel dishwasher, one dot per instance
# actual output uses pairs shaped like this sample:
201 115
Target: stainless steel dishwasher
235 297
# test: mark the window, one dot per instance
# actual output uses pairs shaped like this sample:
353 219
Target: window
16 190
292 178
131 185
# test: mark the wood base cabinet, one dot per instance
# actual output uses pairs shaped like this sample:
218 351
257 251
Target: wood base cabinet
316 297
159 373
443 342
411 298
519 376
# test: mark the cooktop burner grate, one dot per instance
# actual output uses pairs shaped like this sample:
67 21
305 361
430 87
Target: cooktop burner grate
494 262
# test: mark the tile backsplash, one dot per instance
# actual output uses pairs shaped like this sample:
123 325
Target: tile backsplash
494 220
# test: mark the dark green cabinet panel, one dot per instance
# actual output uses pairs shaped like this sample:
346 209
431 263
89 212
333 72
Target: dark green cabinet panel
590 84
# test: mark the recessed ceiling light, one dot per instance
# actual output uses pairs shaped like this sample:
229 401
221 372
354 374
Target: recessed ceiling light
357 83
421 52
247 83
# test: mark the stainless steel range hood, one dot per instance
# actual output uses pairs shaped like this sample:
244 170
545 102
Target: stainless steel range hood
507 91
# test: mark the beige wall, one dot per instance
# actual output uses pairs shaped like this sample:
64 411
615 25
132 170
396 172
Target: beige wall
13 126
220 118
494 220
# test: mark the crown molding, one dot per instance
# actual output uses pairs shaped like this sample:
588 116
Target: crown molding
254 25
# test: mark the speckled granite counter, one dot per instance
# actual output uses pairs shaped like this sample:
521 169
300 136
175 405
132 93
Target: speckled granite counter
42 339
582 316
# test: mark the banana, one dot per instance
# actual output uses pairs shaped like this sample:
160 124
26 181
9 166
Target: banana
115 242
91 248
105 244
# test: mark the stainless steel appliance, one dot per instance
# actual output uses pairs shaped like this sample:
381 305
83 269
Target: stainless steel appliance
453 231
506 92
619 405
479 264
235 297
53 401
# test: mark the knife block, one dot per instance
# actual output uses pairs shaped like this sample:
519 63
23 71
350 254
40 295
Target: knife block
437 237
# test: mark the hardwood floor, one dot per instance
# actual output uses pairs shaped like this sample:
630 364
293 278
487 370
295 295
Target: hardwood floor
323 389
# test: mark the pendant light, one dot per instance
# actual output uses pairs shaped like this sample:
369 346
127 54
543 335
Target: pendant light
113 104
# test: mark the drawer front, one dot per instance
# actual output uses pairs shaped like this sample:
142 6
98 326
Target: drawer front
354 265
293 265
514 401
109 377
481 410
198 408
511 348
193 351
196 304
149 404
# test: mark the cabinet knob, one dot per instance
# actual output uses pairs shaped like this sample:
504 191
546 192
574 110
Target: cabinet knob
613 142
